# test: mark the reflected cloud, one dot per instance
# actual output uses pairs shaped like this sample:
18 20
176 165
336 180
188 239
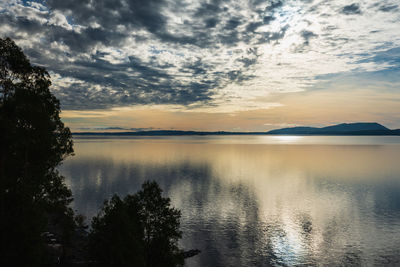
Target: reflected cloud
256 204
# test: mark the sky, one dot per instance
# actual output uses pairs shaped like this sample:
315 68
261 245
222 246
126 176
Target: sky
211 65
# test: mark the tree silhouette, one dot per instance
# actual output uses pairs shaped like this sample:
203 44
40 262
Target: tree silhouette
116 235
140 230
33 141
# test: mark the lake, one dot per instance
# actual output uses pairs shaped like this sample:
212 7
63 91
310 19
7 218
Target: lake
258 200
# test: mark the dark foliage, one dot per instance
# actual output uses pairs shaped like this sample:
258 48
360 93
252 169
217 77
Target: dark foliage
33 141
140 230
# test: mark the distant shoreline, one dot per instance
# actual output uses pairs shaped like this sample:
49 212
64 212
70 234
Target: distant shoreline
191 133
343 129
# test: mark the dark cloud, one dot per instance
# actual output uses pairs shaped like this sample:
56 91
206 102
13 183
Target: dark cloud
117 128
268 19
307 35
351 9
238 77
77 40
150 84
102 128
211 22
209 9
275 4
109 53
85 40
252 26
388 8
23 24
250 58
109 13
232 23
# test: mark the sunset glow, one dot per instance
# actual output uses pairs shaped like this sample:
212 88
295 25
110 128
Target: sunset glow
211 65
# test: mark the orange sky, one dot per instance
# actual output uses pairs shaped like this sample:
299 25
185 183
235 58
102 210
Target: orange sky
314 108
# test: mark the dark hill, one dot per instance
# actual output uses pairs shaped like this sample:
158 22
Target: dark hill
359 128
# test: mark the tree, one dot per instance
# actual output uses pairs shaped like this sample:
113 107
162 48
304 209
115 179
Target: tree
140 230
160 225
116 238
33 142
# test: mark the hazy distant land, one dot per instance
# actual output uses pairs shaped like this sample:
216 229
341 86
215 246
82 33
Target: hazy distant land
358 128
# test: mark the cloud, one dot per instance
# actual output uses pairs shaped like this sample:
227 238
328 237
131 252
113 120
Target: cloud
220 54
351 9
116 128
307 35
388 8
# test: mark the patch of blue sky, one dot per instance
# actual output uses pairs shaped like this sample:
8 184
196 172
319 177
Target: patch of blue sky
387 76
383 80
70 20
391 56
156 51
32 3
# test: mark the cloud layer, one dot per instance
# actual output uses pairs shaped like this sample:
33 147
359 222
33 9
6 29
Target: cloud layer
223 55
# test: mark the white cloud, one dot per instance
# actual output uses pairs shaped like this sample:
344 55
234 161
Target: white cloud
237 67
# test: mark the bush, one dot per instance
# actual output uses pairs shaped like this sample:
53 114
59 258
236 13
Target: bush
140 230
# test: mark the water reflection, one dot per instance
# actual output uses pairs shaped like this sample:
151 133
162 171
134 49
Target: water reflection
248 204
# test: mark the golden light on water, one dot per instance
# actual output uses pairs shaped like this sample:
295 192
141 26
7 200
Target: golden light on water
287 138
308 200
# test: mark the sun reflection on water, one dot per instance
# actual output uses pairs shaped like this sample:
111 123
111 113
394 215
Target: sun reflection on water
287 139
248 200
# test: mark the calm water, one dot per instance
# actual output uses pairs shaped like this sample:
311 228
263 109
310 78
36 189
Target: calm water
258 200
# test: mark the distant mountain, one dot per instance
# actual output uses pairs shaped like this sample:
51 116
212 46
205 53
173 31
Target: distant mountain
358 128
